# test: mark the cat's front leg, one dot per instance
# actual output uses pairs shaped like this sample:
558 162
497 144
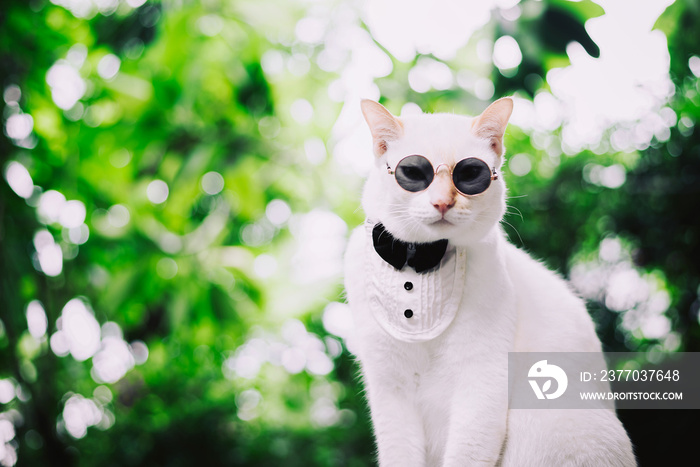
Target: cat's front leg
477 426
398 428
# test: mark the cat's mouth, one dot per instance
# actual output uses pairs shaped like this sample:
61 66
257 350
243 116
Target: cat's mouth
442 223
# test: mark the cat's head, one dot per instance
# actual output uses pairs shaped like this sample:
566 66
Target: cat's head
440 210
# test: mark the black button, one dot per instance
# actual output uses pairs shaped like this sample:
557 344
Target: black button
408 313
408 286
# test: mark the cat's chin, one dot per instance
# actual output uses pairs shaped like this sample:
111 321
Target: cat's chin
440 229
459 231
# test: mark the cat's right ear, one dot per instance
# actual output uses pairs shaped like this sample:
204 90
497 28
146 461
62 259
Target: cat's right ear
383 126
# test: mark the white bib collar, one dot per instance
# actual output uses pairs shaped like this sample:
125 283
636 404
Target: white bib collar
409 306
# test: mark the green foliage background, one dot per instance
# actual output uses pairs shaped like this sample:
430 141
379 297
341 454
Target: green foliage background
186 103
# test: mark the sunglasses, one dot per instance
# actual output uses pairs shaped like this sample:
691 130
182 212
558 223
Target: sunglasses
470 176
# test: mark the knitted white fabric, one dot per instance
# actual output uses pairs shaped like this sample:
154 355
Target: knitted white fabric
433 298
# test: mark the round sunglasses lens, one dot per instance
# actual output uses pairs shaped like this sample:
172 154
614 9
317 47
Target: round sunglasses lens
414 173
471 176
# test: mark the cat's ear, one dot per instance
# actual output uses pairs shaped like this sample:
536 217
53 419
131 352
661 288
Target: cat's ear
492 122
383 126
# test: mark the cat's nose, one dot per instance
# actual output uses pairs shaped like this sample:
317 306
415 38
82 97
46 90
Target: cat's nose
443 206
442 194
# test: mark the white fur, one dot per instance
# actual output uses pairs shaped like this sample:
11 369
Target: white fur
444 402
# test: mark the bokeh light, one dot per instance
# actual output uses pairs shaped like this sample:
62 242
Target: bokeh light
79 331
212 183
278 212
506 53
18 178
67 86
49 256
7 391
37 323
157 191
108 67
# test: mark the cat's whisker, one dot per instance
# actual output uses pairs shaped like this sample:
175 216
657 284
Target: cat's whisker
503 221
518 211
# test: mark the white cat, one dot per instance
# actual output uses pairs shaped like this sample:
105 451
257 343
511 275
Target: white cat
433 345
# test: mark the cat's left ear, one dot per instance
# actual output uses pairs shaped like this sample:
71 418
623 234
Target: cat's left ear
492 122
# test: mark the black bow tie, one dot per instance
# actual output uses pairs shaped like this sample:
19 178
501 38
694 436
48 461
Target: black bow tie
420 256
